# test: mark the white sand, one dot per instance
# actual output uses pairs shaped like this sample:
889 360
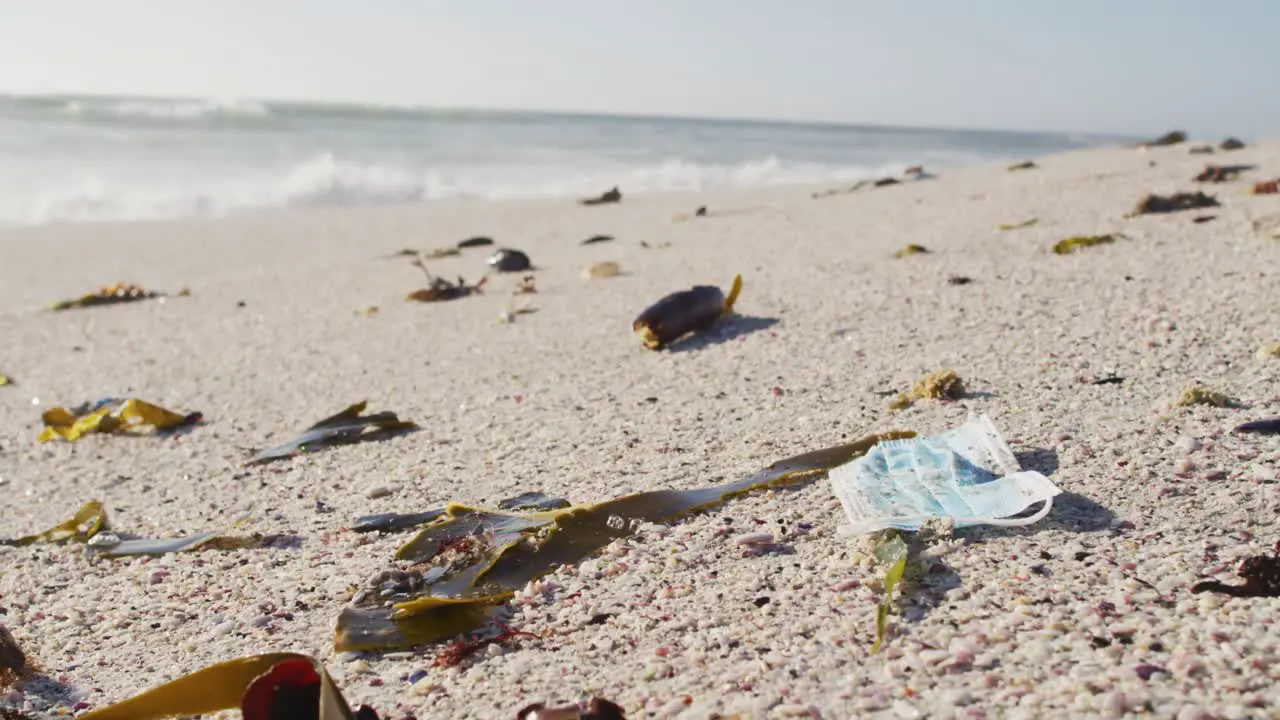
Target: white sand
559 402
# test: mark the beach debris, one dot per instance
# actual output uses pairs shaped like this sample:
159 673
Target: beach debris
1261 427
1017 226
515 310
1268 351
1267 187
121 292
1071 244
1024 165
609 196
912 249
683 312
1202 219
1111 379
478 241
1261 575
966 476
701 211
959 279
487 556
1172 137
392 522
597 239
12 659
892 551
440 290
1222 173
657 246
601 270
1231 144
88 521
507 260
89 526
528 285
275 686
1199 150
440 252
533 501
344 428
940 385
1197 394
111 415
594 709
1177 202
5 380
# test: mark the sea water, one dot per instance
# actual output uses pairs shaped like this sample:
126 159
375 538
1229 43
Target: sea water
96 158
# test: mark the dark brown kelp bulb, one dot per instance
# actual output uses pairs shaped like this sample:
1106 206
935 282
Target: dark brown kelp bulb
510 261
684 312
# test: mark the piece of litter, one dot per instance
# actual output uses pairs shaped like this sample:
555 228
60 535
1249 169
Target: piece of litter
968 474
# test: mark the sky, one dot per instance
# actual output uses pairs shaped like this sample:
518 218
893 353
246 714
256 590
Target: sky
1120 66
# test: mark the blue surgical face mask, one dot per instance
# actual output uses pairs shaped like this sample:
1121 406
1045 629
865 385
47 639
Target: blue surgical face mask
967 474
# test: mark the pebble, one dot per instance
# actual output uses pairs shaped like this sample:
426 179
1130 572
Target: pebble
104 540
1184 466
757 538
1188 445
380 491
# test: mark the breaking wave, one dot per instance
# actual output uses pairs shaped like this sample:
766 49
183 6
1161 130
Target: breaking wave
327 181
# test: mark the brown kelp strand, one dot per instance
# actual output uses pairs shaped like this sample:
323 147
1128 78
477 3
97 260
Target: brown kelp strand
492 554
261 687
684 312
1177 202
344 428
1262 427
1071 244
121 292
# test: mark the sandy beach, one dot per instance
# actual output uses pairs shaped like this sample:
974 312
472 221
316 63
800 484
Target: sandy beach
1085 614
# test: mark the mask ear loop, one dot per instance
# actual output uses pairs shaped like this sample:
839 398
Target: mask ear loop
1018 522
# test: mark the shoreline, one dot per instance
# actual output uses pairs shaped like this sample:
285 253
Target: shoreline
1052 620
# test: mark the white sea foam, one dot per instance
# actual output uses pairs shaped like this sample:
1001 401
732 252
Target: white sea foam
326 181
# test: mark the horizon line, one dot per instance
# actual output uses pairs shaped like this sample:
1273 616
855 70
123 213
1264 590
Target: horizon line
576 113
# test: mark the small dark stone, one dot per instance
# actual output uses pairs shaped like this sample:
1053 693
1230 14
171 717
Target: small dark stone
959 280
761 601
1203 219
701 211
510 261
599 618
1098 642
1145 671
475 242
240 304
1157 646
1044 555
1042 571
1231 144
1081 556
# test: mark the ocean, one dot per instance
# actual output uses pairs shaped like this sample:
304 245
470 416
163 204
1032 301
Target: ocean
96 158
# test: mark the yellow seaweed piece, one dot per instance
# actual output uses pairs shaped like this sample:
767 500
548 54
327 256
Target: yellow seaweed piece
734 292
88 521
1068 246
5 380
527 546
940 385
132 413
912 249
1201 395
218 687
1018 226
1269 350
